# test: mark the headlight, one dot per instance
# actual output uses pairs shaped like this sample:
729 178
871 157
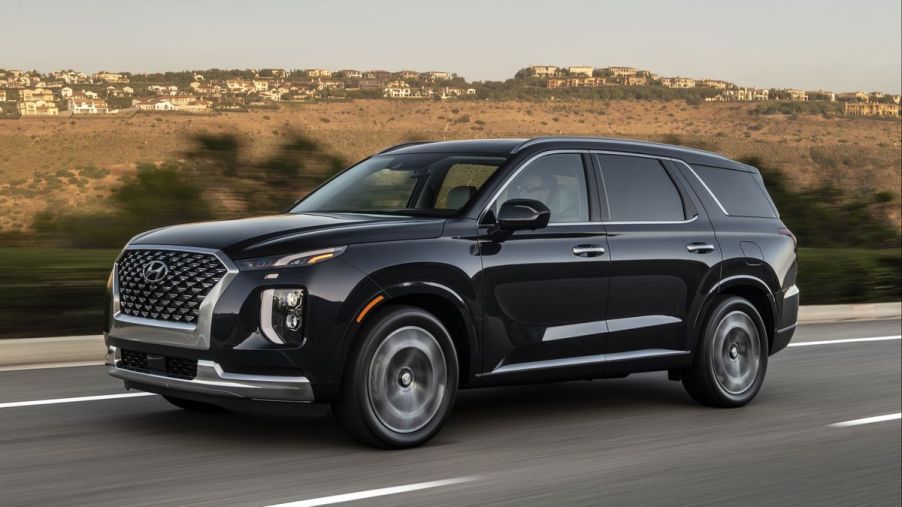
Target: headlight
282 315
290 260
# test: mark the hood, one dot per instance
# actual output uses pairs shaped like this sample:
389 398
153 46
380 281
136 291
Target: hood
277 234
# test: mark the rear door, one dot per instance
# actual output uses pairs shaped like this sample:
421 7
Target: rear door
662 251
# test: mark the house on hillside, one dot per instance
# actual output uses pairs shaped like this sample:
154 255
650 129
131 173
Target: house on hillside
580 71
350 74
66 92
870 109
155 104
622 71
318 73
2 95
717 84
110 77
397 90
853 97
381 75
37 108
29 95
435 75
678 82
543 71
797 95
632 80
83 105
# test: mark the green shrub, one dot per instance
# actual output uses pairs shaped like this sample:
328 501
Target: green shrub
846 275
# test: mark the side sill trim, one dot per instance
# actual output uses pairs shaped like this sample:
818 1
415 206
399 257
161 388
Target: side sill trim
585 360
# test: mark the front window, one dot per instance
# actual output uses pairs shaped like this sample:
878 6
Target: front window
437 184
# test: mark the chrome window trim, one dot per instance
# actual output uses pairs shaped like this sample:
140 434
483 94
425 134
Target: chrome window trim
194 336
530 160
629 142
700 180
523 166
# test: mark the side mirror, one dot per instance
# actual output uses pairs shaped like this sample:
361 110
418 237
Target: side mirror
522 214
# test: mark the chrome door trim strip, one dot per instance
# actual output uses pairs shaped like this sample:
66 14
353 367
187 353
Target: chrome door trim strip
193 336
596 359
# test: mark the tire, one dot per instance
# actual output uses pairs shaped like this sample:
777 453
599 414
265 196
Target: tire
401 380
731 357
193 406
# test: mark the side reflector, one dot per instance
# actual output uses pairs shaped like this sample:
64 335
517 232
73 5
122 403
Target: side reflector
369 306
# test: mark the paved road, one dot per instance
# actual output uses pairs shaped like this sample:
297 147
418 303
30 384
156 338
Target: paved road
638 440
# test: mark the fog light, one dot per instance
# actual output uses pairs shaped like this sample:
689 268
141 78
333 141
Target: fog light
282 315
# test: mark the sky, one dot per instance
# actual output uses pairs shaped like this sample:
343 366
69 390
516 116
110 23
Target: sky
825 44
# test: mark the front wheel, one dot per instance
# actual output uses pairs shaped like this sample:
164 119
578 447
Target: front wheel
731 358
401 381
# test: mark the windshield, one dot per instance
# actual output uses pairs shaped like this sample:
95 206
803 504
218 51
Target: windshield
413 184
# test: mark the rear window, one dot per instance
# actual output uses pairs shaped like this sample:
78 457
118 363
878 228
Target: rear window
638 189
741 193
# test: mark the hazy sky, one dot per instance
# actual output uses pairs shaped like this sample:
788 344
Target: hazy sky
838 45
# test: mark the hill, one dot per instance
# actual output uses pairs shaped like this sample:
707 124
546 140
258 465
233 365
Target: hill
67 163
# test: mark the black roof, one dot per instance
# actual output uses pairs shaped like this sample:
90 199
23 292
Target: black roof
508 147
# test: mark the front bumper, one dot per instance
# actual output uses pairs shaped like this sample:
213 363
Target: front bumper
211 380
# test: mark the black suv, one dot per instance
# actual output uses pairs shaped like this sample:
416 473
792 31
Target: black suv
435 266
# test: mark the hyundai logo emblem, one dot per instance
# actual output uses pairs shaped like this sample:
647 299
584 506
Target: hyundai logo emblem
155 271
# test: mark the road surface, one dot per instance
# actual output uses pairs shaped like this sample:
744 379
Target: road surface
638 440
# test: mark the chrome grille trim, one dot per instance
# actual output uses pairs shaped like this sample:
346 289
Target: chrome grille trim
186 281
194 335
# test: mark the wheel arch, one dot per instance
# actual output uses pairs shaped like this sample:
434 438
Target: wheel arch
751 288
439 300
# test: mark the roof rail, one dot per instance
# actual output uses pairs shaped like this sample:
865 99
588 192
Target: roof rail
403 145
546 139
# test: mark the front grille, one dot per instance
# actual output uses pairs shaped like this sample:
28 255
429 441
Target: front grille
173 289
175 367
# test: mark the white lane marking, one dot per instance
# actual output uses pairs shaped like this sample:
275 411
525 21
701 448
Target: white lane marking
845 340
867 420
47 366
16 404
372 493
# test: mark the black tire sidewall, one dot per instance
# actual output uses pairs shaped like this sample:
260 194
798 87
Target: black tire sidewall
356 392
725 306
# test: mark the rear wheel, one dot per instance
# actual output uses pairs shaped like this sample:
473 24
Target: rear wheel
401 381
193 406
731 359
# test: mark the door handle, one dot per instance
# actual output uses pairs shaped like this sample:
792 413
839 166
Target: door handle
588 250
700 247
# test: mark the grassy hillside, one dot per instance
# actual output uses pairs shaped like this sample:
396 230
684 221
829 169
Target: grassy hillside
61 163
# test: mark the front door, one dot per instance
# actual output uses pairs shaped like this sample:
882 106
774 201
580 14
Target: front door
546 290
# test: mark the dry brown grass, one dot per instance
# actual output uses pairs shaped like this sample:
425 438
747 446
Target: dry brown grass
852 153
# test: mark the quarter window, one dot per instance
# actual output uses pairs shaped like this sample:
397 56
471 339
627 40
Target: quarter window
638 189
741 193
557 181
